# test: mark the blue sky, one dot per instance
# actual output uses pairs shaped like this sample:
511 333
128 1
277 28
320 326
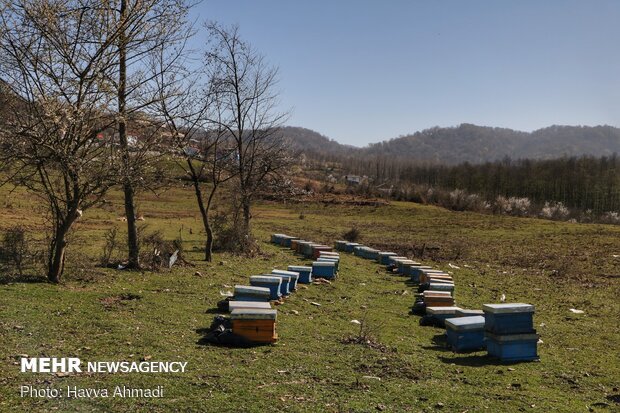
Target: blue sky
366 71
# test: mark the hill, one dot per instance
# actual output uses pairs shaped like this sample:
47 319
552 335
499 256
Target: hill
471 143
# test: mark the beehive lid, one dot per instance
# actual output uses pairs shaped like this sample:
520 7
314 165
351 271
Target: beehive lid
284 278
253 314
352 244
233 305
265 279
328 254
386 253
431 293
252 290
291 274
327 259
441 310
513 337
465 312
323 264
299 268
465 323
407 262
505 308
424 268
441 287
429 270
440 281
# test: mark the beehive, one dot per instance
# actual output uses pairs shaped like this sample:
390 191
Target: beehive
251 293
440 314
439 287
333 260
294 277
257 325
323 269
383 257
295 242
273 283
438 298
316 250
233 305
509 318
513 347
286 283
348 247
358 250
305 273
328 254
301 246
465 333
275 238
287 241
306 248
371 254
405 265
340 245
416 272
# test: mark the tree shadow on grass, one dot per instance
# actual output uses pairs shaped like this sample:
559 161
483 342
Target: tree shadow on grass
6 279
477 360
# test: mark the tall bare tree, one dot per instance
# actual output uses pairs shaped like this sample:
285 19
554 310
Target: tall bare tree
56 61
249 97
147 27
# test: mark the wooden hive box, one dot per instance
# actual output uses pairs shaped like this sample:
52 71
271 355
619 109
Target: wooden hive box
323 269
405 265
285 287
371 254
383 257
305 273
273 283
257 325
465 333
340 245
348 247
301 245
294 277
358 250
439 287
333 260
440 314
439 301
416 272
257 305
295 242
509 318
513 347
316 250
287 241
251 293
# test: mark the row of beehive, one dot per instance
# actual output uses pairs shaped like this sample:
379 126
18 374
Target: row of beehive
251 311
505 330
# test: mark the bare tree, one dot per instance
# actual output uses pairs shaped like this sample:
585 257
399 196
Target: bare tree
249 99
147 27
57 59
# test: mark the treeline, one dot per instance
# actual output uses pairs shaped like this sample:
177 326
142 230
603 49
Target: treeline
584 183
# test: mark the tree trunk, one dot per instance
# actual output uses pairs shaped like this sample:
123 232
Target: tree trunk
130 209
247 215
204 210
56 262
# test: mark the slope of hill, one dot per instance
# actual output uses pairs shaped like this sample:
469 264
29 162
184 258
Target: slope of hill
472 143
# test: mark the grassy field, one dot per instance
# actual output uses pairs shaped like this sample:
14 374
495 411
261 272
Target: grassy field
555 266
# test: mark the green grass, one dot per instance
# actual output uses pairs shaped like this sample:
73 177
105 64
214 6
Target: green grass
555 266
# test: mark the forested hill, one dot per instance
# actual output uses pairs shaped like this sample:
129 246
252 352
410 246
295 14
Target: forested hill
471 143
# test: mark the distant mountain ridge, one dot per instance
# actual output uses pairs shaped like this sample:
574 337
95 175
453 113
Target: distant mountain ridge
469 143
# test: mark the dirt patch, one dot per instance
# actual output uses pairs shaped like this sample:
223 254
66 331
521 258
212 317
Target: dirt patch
115 301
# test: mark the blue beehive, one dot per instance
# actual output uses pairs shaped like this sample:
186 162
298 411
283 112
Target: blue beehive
348 247
251 293
440 314
286 283
335 261
383 257
513 347
509 318
359 250
340 245
371 254
323 269
273 283
465 333
305 273
404 266
294 277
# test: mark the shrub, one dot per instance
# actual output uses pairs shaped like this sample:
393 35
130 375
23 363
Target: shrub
16 251
554 210
352 235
